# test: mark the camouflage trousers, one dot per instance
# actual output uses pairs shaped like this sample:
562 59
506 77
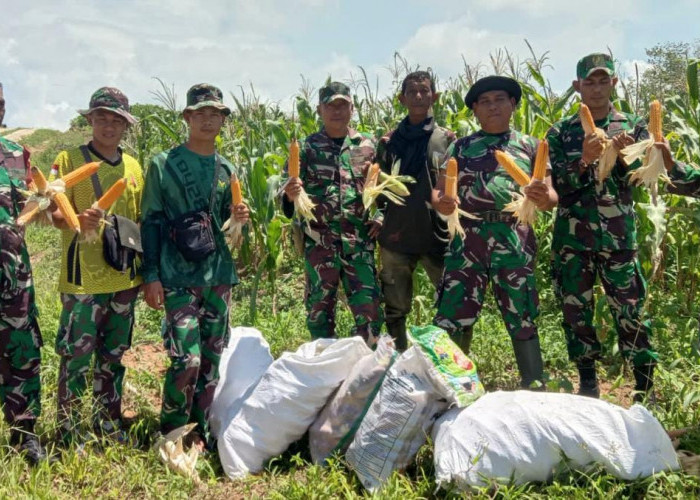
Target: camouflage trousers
101 324
396 276
574 274
195 334
326 269
20 337
498 252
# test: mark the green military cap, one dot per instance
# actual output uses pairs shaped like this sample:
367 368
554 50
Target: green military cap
493 82
333 91
109 99
203 95
591 63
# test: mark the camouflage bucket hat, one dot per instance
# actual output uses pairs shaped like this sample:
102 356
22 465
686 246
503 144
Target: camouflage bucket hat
203 95
594 62
109 99
333 91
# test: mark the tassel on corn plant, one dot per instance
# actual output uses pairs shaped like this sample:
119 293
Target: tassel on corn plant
522 207
303 206
234 228
608 157
652 168
392 186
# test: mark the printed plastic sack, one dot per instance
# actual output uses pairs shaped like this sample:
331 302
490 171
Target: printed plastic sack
418 388
243 363
335 427
524 436
285 402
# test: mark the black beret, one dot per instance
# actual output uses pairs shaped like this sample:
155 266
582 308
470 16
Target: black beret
493 83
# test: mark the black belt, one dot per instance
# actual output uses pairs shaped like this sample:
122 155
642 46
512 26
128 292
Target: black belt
495 216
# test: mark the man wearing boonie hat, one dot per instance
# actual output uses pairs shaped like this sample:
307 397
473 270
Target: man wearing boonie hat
595 233
338 247
193 285
496 247
98 300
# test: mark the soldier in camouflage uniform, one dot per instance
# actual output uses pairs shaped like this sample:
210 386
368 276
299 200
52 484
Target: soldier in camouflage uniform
412 232
496 247
97 317
595 231
20 338
189 178
338 245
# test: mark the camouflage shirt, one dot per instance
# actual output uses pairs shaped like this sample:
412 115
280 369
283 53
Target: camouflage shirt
14 162
685 180
483 184
591 215
333 179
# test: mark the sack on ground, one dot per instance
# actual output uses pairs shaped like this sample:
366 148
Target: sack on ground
525 436
243 362
286 401
415 392
335 427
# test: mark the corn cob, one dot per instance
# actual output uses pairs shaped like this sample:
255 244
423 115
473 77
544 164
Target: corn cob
586 119
39 180
451 179
372 175
236 194
655 121
541 160
77 175
66 209
507 162
31 208
112 194
293 159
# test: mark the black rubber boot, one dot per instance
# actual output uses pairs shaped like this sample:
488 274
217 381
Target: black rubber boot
397 330
528 356
588 379
22 435
644 383
463 338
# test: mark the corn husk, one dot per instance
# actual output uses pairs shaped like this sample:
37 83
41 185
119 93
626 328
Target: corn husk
392 186
608 156
171 452
523 208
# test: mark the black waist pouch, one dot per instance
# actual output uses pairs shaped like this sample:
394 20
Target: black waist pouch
193 235
121 243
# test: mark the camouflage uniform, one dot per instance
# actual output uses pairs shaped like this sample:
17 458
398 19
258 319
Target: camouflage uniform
595 233
197 294
337 245
495 248
20 337
413 232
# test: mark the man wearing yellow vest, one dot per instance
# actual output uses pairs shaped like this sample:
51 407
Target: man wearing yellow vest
98 300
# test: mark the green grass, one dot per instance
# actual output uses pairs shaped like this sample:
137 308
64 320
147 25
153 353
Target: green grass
114 471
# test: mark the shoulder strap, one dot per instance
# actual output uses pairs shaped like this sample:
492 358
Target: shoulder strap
96 186
214 183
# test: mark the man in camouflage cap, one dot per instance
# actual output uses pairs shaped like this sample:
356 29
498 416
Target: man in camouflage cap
97 317
20 337
2 106
191 178
595 230
496 247
338 246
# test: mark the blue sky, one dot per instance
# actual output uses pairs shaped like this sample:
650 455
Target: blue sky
53 55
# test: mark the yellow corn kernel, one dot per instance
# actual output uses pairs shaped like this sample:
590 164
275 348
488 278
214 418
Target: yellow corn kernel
586 119
77 175
236 194
39 180
508 163
655 121
373 174
294 159
66 209
112 195
541 161
451 178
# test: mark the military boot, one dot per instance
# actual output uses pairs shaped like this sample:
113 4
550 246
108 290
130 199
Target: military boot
397 330
644 383
588 379
22 435
528 356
